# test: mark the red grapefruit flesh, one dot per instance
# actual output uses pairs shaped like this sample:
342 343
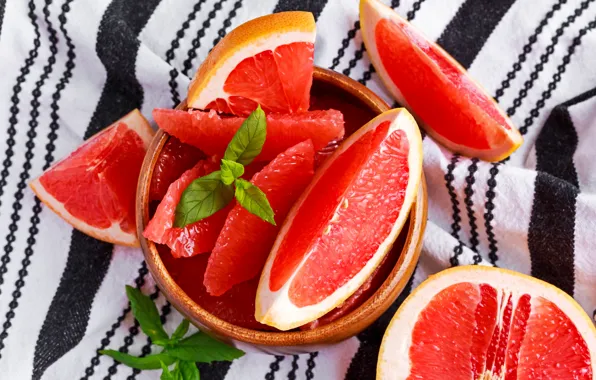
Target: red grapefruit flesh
454 109
344 223
266 61
245 240
476 322
174 159
94 188
212 133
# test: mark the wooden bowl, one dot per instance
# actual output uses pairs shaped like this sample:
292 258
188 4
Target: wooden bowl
293 341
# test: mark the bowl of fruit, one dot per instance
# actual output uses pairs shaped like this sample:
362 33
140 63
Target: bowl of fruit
281 206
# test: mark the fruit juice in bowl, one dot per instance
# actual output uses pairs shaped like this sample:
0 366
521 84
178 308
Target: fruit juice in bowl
248 164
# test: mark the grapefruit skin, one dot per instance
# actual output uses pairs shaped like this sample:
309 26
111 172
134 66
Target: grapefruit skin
245 240
212 133
453 109
94 188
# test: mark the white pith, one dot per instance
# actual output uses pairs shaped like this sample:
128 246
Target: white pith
394 362
214 89
135 121
373 11
275 308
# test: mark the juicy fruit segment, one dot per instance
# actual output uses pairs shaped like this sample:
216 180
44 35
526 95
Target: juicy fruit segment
174 159
480 322
453 108
195 238
245 240
344 223
212 133
278 80
94 187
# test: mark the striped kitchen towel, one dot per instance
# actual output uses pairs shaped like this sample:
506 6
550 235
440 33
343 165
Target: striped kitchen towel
70 67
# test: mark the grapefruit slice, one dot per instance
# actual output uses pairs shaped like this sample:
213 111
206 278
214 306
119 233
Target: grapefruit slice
212 133
266 61
94 188
475 322
420 75
344 223
245 240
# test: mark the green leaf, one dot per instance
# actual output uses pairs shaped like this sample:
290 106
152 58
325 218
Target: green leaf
146 362
188 370
202 198
181 330
254 200
146 314
166 374
248 141
230 170
161 342
200 347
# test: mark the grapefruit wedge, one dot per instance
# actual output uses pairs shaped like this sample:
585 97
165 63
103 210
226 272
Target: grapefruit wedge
475 322
344 223
266 61
212 133
421 76
94 188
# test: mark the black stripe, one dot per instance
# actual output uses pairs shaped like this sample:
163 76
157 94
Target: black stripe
455 227
464 36
344 45
292 373
221 33
551 232
527 49
469 192
2 7
175 44
274 367
310 365
22 185
488 215
313 6
550 49
364 363
196 42
14 111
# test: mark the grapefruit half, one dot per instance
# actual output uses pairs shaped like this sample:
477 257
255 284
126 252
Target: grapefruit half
476 322
94 188
420 75
344 223
266 61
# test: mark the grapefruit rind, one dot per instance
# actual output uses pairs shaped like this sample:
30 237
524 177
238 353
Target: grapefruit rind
394 360
247 40
371 12
134 120
275 308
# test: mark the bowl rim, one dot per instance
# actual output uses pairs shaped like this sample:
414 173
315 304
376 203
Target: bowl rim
338 330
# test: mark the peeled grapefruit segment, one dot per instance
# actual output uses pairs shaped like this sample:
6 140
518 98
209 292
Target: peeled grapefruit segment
212 133
475 322
266 61
451 107
195 238
94 188
245 240
344 223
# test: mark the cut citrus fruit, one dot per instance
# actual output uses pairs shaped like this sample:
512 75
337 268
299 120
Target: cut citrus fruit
344 223
476 322
212 133
451 107
245 240
195 238
266 61
94 188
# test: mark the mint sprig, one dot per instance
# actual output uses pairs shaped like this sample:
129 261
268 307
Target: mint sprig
183 352
211 193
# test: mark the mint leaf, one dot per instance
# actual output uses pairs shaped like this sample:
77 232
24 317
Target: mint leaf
202 198
230 170
166 374
146 314
188 370
146 362
181 330
254 200
200 347
248 141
